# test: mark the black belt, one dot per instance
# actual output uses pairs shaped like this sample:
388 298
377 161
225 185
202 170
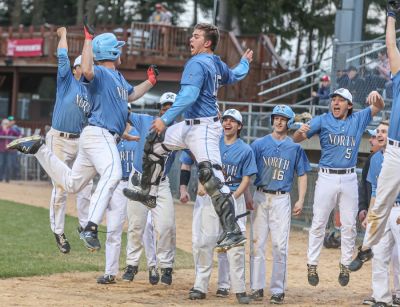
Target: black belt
198 121
394 143
69 135
261 189
111 132
338 171
124 178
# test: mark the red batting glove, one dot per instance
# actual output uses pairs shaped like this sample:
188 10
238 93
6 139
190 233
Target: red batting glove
89 31
152 73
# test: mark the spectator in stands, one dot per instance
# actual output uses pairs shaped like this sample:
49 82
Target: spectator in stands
15 168
167 15
6 136
383 65
356 85
155 20
323 91
341 78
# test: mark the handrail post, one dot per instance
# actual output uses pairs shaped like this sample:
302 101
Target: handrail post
249 123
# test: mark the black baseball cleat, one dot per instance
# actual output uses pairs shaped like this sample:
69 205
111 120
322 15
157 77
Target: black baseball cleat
243 298
196 294
130 272
231 240
381 304
147 200
277 298
396 301
362 256
166 277
312 275
222 292
257 295
106 279
27 145
344 275
79 229
62 243
90 240
154 276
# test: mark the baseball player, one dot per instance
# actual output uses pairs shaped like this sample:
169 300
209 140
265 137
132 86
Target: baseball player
391 237
116 212
238 165
389 182
278 158
69 118
201 130
340 132
108 93
163 215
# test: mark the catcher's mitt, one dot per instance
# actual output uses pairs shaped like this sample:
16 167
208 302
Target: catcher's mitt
331 241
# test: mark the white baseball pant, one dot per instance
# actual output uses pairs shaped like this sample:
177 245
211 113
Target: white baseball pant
149 242
164 227
396 271
206 230
272 214
330 190
387 190
97 153
66 150
382 255
115 217
223 262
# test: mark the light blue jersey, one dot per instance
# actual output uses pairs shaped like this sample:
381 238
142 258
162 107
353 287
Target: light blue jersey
203 75
340 139
237 161
374 170
394 124
108 94
277 161
185 158
142 123
72 106
127 150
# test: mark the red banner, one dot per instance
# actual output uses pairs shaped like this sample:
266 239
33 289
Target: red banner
25 47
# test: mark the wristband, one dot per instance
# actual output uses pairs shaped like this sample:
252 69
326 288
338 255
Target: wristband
184 178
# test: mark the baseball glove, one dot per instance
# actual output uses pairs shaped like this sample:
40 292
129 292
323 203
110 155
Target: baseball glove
331 241
303 117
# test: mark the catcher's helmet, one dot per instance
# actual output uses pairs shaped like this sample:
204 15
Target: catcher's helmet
330 241
106 47
235 114
167 97
284 111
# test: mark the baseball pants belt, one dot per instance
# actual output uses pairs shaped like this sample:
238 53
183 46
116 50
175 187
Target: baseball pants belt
394 143
69 135
111 132
261 189
338 171
191 122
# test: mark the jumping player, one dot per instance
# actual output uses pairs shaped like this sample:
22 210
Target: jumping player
340 132
163 215
389 181
69 118
201 130
278 158
383 251
238 165
108 93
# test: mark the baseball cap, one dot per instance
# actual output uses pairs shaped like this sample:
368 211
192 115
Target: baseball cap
78 61
167 97
344 93
325 78
372 132
235 114
10 118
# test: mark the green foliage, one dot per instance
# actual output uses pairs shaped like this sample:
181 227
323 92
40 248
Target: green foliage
28 246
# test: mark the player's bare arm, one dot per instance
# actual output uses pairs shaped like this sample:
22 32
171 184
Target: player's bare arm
248 198
145 86
87 53
302 187
127 136
244 184
158 125
62 35
392 50
301 134
184 196
376 102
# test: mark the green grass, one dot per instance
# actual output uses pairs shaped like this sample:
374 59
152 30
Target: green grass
28 248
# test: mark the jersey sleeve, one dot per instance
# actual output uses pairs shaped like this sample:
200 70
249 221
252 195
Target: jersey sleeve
302 164
315 126
135 121
185 158
396 84
63 63
193 74
373 173
236 74
249 166
128 86
363 118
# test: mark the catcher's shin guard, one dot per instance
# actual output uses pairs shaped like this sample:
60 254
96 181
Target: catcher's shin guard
223 204
153 161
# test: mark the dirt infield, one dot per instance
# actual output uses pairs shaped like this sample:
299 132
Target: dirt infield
80 289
